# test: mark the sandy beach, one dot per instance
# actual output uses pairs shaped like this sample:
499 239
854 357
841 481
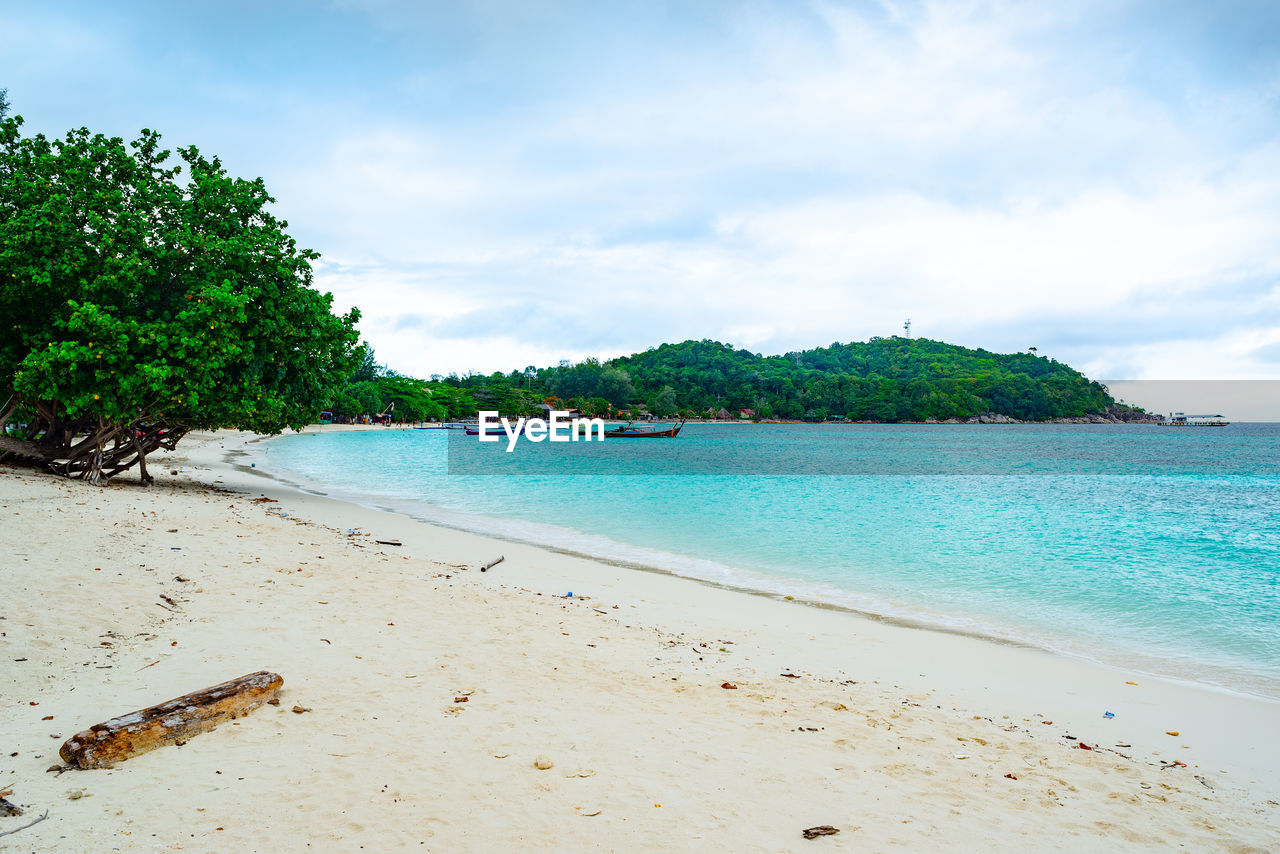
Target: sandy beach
676 716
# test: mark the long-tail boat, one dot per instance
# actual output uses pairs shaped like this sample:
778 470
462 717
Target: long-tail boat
629 432
494 429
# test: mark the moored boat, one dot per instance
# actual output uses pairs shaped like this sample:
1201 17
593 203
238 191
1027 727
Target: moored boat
628 431
475 431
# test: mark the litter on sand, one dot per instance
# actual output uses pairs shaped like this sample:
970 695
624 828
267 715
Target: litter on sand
820 830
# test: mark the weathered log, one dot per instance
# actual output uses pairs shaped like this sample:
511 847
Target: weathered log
173 722
491 564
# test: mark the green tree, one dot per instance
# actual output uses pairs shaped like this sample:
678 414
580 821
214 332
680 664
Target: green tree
4 103
367 367
414 399
615 386
367 396
664 402
140 306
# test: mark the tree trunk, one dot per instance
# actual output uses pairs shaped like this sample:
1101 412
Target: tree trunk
142 461
87 448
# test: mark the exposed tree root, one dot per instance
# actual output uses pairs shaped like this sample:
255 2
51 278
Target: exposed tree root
91 450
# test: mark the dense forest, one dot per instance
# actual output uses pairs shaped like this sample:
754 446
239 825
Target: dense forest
884 379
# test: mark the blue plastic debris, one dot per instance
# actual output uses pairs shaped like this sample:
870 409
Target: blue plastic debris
1108 714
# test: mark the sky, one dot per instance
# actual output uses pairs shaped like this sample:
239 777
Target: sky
503 184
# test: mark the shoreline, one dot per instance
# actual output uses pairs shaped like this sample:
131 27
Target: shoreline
914 634
803 593
902 737
977 420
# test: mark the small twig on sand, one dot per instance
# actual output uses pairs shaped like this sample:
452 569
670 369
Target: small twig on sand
28 824
491 564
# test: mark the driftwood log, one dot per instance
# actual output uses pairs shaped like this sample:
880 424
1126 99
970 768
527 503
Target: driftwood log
173 722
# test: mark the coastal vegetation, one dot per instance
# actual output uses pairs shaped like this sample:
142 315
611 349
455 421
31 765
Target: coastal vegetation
374 390
144 299
882 380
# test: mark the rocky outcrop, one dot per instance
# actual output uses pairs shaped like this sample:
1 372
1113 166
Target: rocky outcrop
1115 415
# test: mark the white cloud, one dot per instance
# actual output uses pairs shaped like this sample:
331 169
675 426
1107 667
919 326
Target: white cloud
779 176
785 277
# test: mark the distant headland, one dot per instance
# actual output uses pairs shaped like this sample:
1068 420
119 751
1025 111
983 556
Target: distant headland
883 380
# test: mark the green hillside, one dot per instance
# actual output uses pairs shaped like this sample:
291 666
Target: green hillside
884 379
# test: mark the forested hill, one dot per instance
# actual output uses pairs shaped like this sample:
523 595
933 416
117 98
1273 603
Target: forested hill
884 379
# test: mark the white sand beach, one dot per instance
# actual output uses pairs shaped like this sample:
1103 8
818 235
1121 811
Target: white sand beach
677 716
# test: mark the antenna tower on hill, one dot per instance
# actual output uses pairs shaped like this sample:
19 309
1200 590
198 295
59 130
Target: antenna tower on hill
906 327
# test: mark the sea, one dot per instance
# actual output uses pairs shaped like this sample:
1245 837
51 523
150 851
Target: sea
1143 547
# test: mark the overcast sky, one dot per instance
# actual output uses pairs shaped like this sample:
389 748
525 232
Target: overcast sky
498 184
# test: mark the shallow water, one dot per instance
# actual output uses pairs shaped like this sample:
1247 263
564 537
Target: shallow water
1139 546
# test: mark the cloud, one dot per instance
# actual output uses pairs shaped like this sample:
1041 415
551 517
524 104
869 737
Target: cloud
501 184
1268 353
1104 270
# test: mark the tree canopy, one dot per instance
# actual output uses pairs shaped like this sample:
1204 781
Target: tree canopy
373 389
143 303
884 379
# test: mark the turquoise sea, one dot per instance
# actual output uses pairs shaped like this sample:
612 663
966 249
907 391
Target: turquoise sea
1144 547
